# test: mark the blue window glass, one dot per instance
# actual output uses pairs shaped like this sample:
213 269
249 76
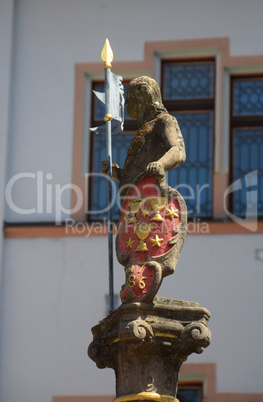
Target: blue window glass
189 395
248 97
100 107
189 80
120 146
248 171
193 179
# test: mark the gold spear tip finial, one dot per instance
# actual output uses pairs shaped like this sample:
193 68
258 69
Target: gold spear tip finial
107 54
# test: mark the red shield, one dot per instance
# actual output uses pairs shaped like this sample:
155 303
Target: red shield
148 222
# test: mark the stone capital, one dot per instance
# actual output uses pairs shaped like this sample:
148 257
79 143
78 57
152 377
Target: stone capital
146 344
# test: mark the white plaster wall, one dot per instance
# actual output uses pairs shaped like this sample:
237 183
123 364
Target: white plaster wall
223 275
54 290
52 35
54 293
6 30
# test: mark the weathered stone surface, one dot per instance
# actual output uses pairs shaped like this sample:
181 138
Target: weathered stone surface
146 343
147 338
153 216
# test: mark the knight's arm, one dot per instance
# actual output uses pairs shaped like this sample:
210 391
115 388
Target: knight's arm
173 142
116 170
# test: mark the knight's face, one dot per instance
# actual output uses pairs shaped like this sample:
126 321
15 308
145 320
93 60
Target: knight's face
132 102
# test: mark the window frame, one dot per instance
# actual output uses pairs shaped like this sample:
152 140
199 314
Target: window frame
242 121
195 105
197 385
150 65
189 103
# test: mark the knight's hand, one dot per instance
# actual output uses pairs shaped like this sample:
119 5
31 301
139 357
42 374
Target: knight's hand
155 169
104 167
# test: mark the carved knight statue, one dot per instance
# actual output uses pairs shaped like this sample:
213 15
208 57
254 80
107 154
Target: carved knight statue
153 216
147 338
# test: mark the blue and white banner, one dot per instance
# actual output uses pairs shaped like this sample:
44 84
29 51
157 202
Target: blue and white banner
116 96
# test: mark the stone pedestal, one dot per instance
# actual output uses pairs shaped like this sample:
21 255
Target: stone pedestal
146 344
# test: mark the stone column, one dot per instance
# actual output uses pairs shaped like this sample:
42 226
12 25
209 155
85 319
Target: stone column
146 344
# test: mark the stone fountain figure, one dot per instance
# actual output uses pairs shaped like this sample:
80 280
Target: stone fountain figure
147 338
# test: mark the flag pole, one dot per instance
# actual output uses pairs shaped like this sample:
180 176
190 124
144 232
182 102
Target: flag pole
107 57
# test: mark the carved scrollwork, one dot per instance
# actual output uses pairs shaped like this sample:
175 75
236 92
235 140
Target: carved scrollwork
136 330
142 330
127 376
200 335
150 376
98 353
169 378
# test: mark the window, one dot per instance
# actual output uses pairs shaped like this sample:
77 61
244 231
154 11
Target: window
247 144
188 94
221 148
190 392
120 145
